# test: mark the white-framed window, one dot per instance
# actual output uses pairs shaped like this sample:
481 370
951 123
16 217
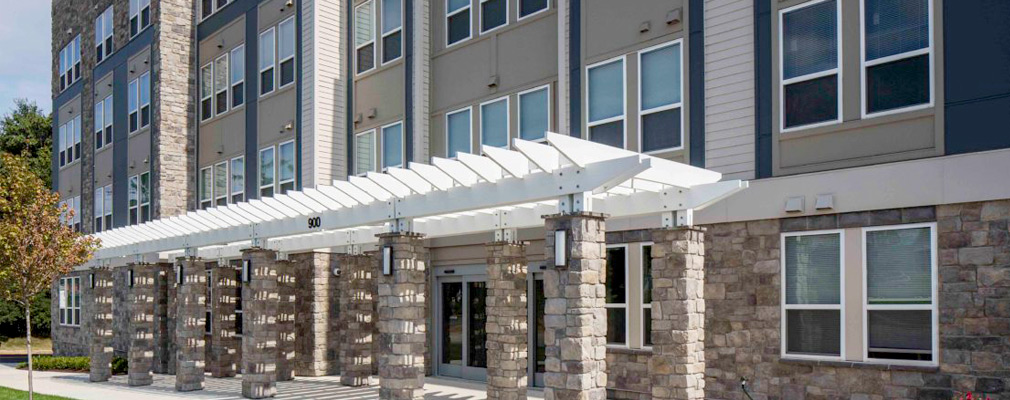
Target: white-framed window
70 301
900 281
267 172
897 59
221 183
616 295
221 84
238 76
209 7
813 295
458 23
237 179
134 103
140 198
140 16
103 208
606 91
286 51
103 35
206 187
103 123
70 63
660 98
70 141
647 294
392 145
286 166
364 152
535 113
207 92
140 102
494 14
494 122
528 8
267 57
392 30
458 132
71 215
364 37
810 72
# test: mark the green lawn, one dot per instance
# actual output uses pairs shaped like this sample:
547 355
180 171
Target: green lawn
12 394
17 346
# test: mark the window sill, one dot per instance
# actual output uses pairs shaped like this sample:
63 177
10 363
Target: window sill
860 365
623 349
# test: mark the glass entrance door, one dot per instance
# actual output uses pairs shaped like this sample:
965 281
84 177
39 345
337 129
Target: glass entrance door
462 318
537 345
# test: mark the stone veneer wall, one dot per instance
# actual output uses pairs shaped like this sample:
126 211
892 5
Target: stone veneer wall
318 329
628 374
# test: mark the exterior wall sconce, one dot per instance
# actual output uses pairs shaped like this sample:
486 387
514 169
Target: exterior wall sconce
132 279
560 248
246 270
178 274
91 280
336 269
387 260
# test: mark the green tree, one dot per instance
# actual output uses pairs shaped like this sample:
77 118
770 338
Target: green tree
37 245
27 132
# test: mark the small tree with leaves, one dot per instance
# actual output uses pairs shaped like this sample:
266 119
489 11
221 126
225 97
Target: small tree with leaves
37 245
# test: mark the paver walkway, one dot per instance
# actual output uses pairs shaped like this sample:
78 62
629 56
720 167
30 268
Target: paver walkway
76 385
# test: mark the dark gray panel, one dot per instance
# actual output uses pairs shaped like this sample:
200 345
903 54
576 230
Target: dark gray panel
251 106
120 140
575 66
224 17
696 75
763 87
408 109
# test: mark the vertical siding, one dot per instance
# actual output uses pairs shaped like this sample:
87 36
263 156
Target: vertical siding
729 87
323 93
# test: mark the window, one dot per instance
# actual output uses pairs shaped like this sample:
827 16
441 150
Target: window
103 123
267 172
70 141
140 16
660 98
237 179
535 113
364 152
530 7
140 198
209 7
392 145
140 102
70 63
206 187
221 183
238 76
647 294
392 30
71 214
221 84
810 75
458 132
70 301
606 102
286 166
901 317
286 51
134 91
103 208
617 295
364 37
457 21
266 53
206 92
103 35
897 55
494 123
493 15
812 294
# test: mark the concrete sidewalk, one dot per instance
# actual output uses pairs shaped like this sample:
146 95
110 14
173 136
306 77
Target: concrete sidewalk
76 385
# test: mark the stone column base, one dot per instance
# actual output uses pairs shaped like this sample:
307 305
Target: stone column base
402 319
142 325
358 293
507 321
101 325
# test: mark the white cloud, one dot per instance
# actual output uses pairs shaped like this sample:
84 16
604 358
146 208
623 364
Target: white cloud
25 53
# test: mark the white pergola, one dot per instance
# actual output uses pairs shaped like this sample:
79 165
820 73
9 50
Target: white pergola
499 191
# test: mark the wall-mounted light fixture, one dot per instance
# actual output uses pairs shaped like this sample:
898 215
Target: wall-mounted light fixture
132 280
91 280
178 274
246 270
336 269
560 248
387 260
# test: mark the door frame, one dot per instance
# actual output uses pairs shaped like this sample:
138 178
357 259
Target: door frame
463 275
535 272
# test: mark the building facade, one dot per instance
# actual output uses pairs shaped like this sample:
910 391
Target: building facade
868 258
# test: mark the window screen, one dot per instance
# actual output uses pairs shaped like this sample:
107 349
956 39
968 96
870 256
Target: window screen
812 294
810 40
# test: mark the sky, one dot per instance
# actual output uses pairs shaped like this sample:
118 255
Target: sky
25 53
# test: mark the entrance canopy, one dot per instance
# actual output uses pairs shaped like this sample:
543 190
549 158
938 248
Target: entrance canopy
501 190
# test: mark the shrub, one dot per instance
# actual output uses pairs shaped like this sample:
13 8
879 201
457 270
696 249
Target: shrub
50 363
119 365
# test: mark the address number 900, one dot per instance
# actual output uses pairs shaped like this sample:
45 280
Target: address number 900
315 222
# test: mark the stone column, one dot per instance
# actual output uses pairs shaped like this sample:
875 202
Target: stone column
402 322
677 366
575 318
259 327
318 326
507 340
167 310
287 285
101 326
142 324
191 320
358 293
224 341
